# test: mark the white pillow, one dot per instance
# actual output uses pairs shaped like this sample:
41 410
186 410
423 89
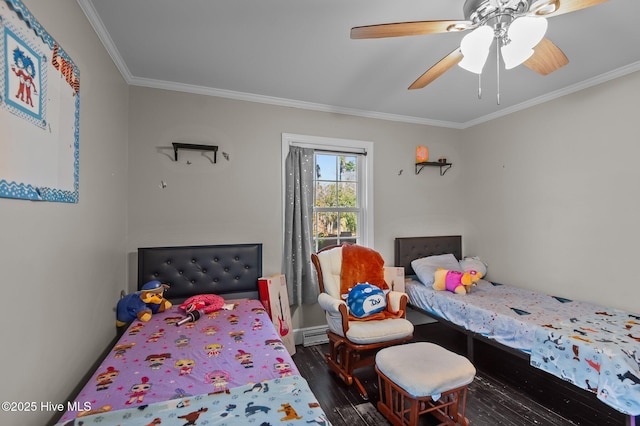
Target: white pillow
425 267
475 264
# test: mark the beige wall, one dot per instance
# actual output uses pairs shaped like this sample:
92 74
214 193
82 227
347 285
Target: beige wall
544 195
63 265
552 195
239 200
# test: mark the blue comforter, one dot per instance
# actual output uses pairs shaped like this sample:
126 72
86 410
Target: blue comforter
284 401
595 348
599 352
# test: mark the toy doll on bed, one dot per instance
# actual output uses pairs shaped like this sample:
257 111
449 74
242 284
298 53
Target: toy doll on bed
454 281
142 304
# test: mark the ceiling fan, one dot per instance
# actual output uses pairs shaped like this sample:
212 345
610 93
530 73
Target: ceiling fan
517 26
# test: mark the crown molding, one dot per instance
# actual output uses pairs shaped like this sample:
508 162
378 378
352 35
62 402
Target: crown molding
103 34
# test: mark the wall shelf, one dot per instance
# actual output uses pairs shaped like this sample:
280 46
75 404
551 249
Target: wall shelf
194 147
443 166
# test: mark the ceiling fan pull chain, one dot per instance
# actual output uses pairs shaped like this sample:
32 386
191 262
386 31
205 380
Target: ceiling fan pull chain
480 86
498 69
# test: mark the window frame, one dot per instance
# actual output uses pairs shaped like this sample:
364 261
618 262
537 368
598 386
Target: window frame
339 146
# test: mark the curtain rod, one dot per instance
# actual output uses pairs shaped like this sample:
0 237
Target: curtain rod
337 151
334 151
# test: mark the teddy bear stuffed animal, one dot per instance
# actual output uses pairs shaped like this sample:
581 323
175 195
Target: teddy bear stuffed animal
142 304
454 281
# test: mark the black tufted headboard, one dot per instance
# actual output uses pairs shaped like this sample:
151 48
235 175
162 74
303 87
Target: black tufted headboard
231 271
410 248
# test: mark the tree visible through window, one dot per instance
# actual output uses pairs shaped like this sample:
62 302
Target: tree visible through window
337 206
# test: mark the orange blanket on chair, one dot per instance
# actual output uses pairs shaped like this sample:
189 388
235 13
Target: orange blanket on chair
364 265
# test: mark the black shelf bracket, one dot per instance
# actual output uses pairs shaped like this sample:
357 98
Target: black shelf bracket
194 147
443 166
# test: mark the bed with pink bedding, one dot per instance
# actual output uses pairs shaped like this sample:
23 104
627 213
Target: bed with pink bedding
228 367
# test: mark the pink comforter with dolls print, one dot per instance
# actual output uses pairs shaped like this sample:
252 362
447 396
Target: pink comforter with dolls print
158 361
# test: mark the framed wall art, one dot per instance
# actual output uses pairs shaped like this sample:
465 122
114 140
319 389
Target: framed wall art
39 111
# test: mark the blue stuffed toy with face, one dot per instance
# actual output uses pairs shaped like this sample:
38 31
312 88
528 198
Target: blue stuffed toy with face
366 299
142 304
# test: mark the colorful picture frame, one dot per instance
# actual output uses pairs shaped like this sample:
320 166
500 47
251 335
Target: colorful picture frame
39 111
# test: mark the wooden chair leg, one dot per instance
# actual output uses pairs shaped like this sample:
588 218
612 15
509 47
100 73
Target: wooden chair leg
345 357
337 358
363 393
343 360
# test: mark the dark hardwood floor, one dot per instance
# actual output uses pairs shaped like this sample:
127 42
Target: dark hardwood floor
506 390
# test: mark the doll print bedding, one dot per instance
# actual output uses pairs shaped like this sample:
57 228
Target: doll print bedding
211 362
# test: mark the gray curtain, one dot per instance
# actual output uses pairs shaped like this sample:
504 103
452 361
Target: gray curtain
298 231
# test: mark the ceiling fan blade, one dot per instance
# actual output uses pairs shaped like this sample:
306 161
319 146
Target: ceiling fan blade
546 58
408 29
563 6
438 69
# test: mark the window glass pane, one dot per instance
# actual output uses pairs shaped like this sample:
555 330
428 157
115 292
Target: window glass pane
325 242
347 196
327 224
348 168
326 167
326 195
349 240
348 224
316 228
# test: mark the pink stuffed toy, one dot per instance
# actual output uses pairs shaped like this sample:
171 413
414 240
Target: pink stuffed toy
207 302
454 281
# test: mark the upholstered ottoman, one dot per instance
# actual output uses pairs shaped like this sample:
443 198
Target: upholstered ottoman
419 378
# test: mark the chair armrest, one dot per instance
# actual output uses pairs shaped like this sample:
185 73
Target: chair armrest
337 308
330 303
397 301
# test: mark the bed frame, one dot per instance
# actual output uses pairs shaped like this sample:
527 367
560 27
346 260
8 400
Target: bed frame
230 270
410 248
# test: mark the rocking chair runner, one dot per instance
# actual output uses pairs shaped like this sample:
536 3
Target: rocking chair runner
353 344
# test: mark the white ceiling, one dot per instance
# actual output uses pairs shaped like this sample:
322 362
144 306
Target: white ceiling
298 53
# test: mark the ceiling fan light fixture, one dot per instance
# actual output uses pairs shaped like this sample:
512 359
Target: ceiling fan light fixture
475 49
527 30
523 35
514 55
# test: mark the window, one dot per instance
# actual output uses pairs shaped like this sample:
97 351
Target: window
343 189
336 210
